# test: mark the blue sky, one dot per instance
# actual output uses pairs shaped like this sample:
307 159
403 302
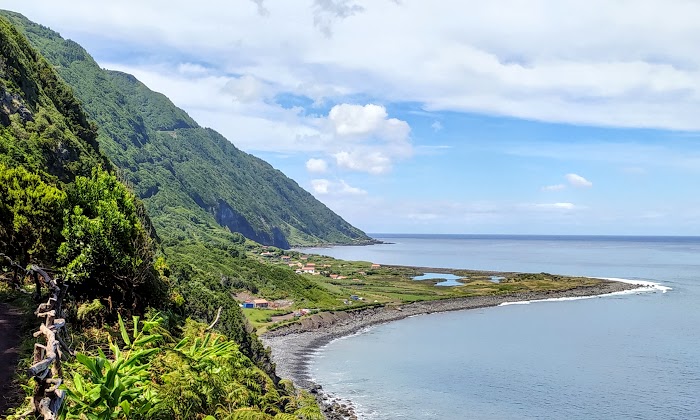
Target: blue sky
543 117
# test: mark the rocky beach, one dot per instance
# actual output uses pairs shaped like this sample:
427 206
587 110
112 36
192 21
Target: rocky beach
293 345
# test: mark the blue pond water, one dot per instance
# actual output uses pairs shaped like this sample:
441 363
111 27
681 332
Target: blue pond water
448 279
630 356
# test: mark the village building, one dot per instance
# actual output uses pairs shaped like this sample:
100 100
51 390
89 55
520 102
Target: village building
376 266
309 268
261 303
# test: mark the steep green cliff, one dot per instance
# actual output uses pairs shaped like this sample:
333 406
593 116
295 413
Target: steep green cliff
184 172
62 206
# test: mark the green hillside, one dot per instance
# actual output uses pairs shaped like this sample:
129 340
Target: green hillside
183 172
63 207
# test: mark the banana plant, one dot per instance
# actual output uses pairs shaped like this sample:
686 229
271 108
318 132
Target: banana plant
116 387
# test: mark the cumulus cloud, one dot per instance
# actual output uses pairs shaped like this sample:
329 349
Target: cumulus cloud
316 165
436 126
578 181
366 139
373 162
337 188
363 120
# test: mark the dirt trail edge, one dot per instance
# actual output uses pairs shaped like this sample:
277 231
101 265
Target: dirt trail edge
10 339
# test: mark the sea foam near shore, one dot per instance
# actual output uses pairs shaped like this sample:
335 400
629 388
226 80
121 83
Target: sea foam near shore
645 286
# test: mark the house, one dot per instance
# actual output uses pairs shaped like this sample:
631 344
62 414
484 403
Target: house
334 276
261 303
309 268
304 257
267 254
293 265
285 258
248 304
361 273
376 266
354 297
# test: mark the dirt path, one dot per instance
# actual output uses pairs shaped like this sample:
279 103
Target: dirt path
10 321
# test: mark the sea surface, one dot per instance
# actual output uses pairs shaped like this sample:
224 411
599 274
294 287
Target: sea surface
634 356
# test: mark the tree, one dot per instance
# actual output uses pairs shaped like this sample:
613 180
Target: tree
30 215
106 249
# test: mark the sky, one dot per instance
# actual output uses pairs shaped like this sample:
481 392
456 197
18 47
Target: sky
410 116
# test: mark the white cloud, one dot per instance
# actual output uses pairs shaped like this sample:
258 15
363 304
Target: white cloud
350 190
192 69
245 89
576 61
436 126
316 165
367 120
337 188
373 162
320 186
555 206
556 187
578 181
422 216
326 12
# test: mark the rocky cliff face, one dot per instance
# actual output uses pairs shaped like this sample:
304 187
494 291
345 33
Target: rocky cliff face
12 104
236 222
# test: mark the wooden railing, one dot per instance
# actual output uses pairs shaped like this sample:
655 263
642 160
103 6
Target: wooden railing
46 368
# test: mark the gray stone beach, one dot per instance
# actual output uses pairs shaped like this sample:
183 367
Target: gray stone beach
293 345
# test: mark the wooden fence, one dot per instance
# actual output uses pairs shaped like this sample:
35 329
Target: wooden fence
46 368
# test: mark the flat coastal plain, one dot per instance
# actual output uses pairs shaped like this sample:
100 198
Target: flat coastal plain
293 345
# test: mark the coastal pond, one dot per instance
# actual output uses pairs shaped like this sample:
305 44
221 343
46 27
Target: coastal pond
448 279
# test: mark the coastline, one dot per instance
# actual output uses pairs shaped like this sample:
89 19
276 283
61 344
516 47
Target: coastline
293 346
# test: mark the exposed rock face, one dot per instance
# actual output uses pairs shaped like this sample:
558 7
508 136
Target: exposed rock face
12 104
227 216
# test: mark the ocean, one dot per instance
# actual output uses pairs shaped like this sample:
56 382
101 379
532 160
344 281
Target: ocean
634 356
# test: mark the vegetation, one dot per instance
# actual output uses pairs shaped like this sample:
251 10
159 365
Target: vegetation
194 182
63 206
150 377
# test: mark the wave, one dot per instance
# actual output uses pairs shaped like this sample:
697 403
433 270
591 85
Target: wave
645 286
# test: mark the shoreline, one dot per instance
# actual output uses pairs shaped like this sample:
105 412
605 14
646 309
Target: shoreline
294 345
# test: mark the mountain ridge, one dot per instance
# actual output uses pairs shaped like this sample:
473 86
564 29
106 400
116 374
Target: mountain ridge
182 171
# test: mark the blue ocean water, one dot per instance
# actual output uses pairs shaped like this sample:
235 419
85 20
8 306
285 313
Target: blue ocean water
630 356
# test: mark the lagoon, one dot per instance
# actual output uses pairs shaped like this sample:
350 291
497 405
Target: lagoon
448 279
